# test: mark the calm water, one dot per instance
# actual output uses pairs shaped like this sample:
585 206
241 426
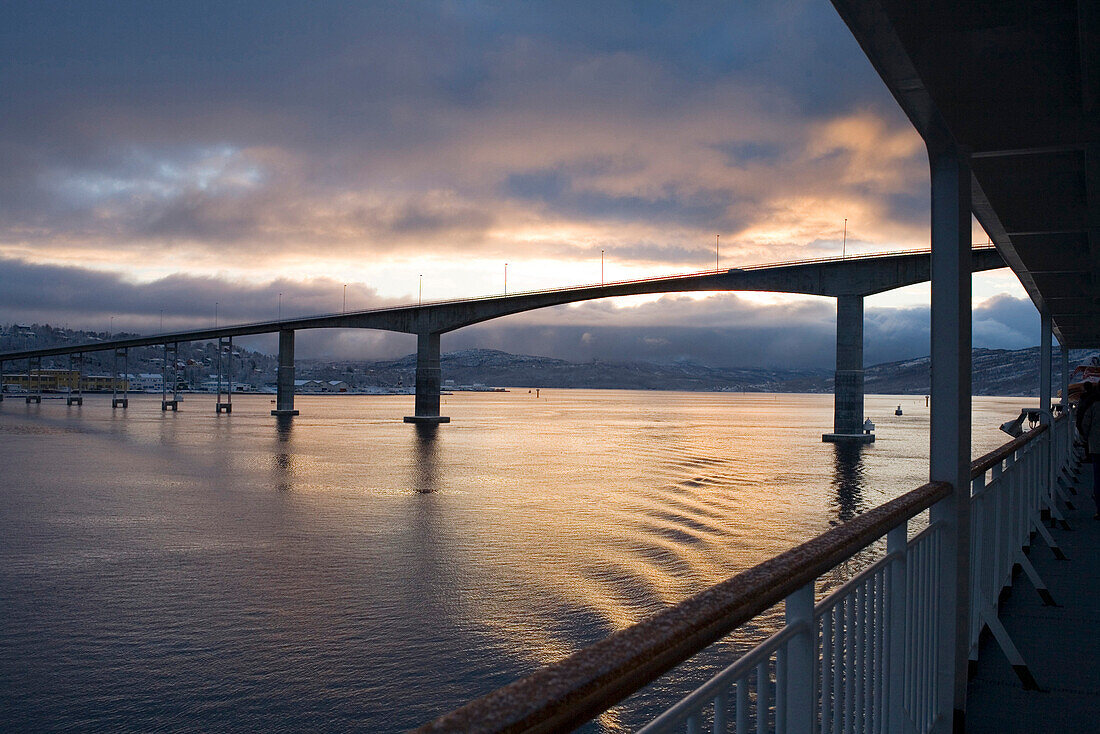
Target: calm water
195 572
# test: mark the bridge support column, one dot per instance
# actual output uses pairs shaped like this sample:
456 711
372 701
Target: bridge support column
428 381
1 380
124 401
76 396
225 346
848 380
171 354
284 398
34 367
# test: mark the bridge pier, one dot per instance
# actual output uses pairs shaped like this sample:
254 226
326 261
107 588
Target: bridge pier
34 366
284 383
171 354
428 381
124 401
848 380
225 346
78 398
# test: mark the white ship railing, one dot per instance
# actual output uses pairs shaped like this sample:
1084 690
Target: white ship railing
872 647
862 659
861 662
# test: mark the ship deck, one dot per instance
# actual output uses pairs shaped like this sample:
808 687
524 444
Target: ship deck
1061 645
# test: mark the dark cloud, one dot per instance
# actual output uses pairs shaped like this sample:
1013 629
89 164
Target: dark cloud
669 205
281 127
909 207
743 153
90 299
1005 322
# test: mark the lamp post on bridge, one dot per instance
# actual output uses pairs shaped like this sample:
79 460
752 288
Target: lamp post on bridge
601 267
345 309
505 278
280 307
420 292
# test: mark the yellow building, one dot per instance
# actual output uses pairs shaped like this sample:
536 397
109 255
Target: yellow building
55 380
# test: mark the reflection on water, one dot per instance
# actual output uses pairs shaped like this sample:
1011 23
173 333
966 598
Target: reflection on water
426 465
847 481
281 461
344 570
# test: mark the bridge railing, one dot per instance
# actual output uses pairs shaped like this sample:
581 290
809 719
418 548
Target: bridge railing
684 276
604 284
651 279
862 659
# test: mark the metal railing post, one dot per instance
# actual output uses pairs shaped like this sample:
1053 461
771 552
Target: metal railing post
1002 549
896 546
801 660
981 537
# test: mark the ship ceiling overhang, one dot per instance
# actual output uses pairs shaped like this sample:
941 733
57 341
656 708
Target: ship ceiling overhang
1012 83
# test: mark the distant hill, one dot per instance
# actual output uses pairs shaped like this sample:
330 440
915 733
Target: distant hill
996 372
492 367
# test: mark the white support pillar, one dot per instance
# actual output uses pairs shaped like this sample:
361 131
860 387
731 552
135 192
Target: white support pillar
1067 424
1063 352
950 430
1045 354
896 548
799 698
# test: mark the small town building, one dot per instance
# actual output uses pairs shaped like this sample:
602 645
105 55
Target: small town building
61 380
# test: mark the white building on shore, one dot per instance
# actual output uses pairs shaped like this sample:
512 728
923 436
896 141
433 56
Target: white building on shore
146 382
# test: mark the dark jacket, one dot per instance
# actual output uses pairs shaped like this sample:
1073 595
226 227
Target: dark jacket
1090 427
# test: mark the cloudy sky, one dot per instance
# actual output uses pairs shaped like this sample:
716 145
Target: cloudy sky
158 158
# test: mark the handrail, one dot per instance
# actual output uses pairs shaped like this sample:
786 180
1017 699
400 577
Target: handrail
707 692
567 693
986 462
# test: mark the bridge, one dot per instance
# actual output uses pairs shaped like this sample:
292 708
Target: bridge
848 279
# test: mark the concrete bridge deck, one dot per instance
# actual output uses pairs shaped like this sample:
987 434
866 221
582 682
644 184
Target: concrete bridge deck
848 279
853 276
1061 645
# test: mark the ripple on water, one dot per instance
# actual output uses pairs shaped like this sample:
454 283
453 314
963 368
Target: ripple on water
344 571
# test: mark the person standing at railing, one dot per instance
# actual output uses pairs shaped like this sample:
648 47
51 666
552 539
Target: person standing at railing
1088 425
